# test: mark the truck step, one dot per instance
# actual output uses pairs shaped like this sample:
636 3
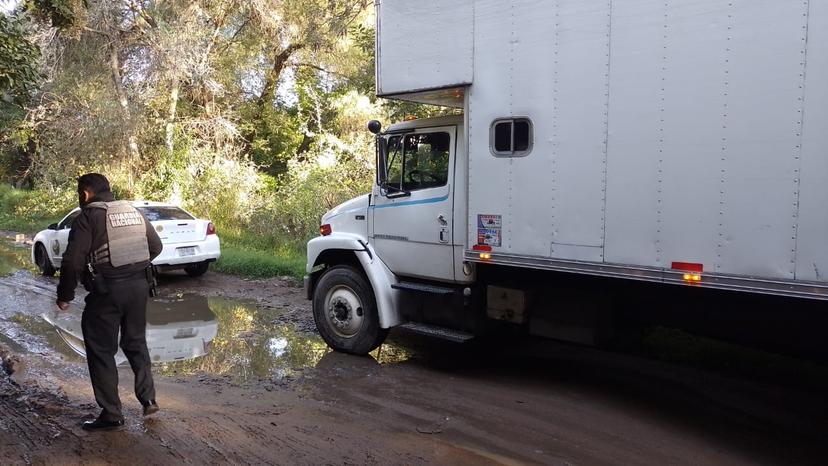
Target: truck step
456 336
424 288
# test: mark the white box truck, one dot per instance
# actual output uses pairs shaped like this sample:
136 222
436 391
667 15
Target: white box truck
676 142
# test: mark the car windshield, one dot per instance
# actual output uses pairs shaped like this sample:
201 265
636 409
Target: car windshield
160 213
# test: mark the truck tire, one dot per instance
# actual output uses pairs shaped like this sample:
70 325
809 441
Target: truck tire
42 261
345 311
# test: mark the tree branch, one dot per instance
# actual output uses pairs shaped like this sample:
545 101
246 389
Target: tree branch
95 31
235 35
324 70
272 76
136 8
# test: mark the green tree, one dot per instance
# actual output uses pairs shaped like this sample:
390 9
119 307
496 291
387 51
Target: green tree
19 57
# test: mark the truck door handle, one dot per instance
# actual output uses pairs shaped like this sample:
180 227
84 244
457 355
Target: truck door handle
444 235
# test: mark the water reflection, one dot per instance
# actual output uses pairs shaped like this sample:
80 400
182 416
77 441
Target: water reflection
250 344
190 335
391 353
14 257
177 329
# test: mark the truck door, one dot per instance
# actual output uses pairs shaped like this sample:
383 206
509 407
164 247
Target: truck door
412 219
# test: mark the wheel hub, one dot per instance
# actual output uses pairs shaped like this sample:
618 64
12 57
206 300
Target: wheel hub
340 312
344 311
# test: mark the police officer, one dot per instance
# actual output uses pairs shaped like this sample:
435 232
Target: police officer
110 247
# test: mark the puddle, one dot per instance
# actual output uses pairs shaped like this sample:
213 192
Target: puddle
176 329
249 345
192 335
186 334
36 325
14 257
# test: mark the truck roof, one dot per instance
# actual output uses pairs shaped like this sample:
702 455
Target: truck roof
448 120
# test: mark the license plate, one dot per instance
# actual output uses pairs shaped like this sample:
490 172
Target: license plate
188 332
184 252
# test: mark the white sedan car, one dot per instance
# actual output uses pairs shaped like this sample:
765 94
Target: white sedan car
189 243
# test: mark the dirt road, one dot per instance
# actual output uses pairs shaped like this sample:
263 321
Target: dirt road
267 391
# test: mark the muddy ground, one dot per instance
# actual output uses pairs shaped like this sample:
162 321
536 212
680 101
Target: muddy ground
268 391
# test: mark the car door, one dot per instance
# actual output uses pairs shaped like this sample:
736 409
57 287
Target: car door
412 221
60 240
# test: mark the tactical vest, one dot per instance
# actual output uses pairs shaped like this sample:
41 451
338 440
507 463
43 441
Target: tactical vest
126 232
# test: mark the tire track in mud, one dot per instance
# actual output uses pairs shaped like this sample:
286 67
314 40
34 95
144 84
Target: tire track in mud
32 428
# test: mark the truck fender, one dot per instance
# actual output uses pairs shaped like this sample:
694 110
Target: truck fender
380 277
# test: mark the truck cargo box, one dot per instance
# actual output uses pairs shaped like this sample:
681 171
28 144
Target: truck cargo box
634 138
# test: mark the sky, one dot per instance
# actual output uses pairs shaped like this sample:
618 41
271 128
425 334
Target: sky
8 5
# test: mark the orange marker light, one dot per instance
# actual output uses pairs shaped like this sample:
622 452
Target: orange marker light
485 256
691 271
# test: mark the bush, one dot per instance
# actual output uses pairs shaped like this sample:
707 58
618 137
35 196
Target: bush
311 188
31 211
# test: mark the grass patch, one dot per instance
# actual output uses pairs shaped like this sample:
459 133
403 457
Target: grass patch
25 211
254 263
28 226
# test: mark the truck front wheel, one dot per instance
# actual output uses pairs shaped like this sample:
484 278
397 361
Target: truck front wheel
346 313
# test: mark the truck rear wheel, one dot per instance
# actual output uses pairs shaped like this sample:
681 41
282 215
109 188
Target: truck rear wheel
346 313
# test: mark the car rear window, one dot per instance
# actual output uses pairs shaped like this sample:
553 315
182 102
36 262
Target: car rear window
159 213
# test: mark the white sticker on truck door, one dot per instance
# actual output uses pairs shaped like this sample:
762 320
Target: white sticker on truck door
489 229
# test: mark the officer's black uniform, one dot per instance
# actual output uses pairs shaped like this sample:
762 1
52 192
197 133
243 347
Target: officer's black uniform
124 307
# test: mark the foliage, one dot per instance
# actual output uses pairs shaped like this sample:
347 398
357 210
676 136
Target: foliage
31 211
61 13
304 199
249 113
18 58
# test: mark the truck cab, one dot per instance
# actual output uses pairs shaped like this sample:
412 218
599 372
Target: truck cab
406 236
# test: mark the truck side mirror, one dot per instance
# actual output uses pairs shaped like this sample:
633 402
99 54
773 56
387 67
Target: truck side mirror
374 126
53 226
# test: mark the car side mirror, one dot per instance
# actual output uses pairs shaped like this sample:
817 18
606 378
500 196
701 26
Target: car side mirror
53 226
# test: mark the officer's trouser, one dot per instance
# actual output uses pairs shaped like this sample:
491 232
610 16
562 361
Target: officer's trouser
124 308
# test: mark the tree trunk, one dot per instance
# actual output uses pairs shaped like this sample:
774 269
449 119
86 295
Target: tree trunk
170 127
273 74
123 100
269 89
304 146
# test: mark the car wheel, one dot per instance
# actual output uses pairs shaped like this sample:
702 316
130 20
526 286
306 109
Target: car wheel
44 264
197 270
346 313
